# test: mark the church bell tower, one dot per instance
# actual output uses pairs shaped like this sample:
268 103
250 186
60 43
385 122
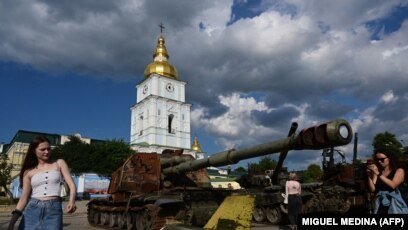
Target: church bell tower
160 119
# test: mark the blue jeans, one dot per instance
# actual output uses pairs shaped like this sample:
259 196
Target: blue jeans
42 215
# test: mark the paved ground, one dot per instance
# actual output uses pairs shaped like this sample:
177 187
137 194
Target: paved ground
81 208
75 221
78 220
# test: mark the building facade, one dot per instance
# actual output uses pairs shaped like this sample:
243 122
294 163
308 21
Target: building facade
160 119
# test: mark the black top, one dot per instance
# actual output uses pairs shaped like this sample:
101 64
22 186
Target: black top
381 186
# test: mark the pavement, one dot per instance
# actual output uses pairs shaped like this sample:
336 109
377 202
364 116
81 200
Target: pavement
5 210
78 220
81 206
75 221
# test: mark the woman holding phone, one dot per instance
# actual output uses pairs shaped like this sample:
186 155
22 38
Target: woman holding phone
384 177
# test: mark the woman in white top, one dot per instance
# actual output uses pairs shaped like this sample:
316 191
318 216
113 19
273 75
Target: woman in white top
293 191
40 178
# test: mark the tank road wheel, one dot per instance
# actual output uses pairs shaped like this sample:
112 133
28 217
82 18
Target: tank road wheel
283 208
259 214
273 214
104 218
91 213
96 217
113 219
130 221
144 221
121 220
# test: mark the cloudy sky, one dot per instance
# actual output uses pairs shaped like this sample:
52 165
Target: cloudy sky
251 67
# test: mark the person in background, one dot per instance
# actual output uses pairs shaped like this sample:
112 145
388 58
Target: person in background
384 177
40 178
268 180
293 191
230 186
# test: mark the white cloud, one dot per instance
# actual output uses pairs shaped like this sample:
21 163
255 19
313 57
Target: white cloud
293 55
389 97
394 51
231 126
215 18
344 14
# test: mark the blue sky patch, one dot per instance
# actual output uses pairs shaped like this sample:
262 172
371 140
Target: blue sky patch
389 24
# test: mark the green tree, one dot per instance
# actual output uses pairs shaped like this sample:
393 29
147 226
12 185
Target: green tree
109 155
312 174
5 174
240 170
388 141
265 163
102 158
77 154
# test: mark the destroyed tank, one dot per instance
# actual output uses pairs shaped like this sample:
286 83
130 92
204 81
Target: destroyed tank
151 190
268 188
341 190
268 195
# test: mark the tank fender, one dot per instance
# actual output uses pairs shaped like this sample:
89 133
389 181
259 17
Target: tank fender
163 201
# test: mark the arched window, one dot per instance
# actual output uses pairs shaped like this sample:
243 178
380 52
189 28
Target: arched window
170 129
141 126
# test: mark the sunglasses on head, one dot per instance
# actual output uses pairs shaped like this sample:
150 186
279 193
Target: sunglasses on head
381 159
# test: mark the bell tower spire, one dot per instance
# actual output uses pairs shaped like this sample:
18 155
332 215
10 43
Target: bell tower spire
160 64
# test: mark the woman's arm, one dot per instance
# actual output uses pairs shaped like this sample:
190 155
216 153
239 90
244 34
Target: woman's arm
22 202
300 188
396 180
371 183
70 182
373 172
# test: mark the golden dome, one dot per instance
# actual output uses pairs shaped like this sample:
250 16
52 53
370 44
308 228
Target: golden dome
160 64
196 146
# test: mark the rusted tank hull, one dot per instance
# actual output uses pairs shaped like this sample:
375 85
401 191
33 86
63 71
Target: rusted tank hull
154 210
342 190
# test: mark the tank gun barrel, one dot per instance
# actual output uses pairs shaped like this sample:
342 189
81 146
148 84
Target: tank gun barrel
330 134
166 162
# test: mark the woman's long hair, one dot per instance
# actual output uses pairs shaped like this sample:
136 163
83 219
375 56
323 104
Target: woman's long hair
31 160
392 156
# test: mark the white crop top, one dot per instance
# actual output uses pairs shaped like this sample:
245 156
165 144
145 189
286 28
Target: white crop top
46 183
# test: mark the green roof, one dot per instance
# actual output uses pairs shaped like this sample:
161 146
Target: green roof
142 144
27 136
145 144
24 136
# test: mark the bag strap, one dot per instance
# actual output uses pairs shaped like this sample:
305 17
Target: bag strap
61 176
